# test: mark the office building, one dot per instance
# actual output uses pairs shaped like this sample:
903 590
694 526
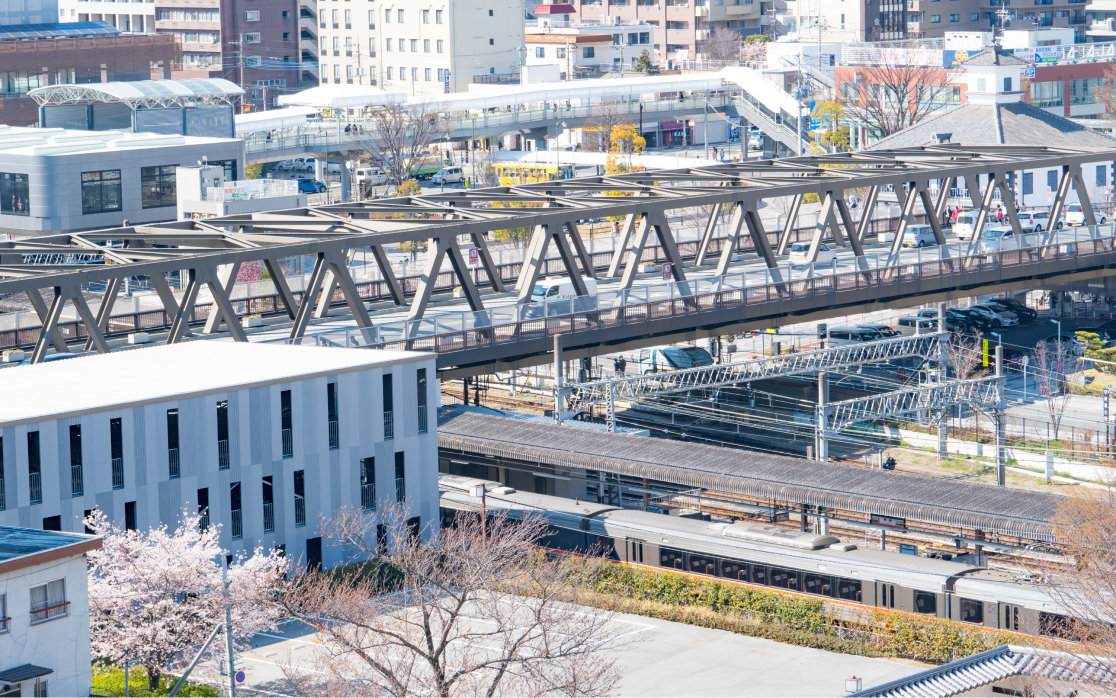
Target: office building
347 45
23 12
133 17
263 439
55 180
44 613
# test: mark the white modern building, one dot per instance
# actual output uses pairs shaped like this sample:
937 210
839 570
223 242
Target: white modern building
204 192
347 44
55 180
263 439
443 46
134 17
586 48
44 613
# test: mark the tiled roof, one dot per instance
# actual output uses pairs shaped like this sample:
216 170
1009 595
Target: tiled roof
23 672
993 56
993 665
1014 123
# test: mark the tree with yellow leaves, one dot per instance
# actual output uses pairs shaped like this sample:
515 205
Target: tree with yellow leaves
626 144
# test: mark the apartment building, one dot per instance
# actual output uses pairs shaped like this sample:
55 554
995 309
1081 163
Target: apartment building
347 44
128 16
439 46
584 49
44 613
263 439
681 26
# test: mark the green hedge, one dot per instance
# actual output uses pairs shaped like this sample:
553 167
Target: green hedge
110 682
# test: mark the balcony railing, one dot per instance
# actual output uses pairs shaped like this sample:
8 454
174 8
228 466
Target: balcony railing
117 473
368 496
400 489
41 614
173 464
237 524
389 425
269 516
77 480
35 486
422 419
203 519
300 511
4 624
223 454
288 443
334 435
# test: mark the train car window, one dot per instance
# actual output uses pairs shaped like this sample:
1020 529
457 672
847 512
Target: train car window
886 596
670 558
817 584
605 545
734 570
759 575
784 579
1011 617
925 602
1055 625
972 611
701 564
849 590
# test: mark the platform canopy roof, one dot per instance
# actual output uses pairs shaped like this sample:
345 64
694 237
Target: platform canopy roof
273 119
341 97
141 93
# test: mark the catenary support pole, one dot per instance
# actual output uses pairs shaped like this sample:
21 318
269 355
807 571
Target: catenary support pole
1001 419
943 376
822 449
559 378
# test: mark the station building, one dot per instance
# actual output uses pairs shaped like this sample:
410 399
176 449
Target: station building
44 613
263 439
56 180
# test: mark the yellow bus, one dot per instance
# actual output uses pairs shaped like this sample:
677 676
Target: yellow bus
510 173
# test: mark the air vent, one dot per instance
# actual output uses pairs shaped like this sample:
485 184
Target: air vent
843 546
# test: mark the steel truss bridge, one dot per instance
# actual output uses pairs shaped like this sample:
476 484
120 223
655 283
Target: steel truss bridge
209 253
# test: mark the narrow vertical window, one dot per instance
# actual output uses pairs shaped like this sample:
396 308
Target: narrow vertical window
331 416
222 434
116 448
34 468
235 505
300 498
129 516
420 387
368 484
203 508
268 505
400 477
3 500
174 465
77 479
286 423
389 421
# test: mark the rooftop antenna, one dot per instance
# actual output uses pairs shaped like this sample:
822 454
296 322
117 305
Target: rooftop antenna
1004 15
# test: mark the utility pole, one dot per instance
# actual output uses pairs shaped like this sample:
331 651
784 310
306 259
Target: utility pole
1001 418
943 376
822 446
228 630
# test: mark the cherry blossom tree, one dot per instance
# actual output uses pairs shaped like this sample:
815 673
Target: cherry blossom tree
155 594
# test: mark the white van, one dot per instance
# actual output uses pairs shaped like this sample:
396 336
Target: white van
551 290
841 336
964 225
920 235
371 175
449 175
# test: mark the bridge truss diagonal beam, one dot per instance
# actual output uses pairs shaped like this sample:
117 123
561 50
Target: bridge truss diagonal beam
933 398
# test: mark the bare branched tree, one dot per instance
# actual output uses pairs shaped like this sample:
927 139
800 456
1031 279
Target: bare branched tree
894 96
723 45
1105 92
1051 361
608 116
402 132
478 610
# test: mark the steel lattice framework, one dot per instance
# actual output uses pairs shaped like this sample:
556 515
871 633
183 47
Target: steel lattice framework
210 252
580 396
931 398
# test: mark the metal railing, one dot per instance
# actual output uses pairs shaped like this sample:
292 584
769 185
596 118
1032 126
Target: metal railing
3 497
203 519
77 480
422 419
237 526
334 435
389 425
269 517
173 465
368 496
288 443
117 473
222 454
43 613
300 511
400 489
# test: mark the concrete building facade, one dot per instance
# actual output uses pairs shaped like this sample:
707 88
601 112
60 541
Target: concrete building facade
44 613
585 50
263 439
348 47
134 17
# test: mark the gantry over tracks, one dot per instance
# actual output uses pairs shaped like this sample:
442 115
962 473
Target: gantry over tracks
210 252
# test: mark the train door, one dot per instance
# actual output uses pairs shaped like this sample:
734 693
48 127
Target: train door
886 595
634 552
1011 617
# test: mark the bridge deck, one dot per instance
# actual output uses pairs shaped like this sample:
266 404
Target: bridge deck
960 505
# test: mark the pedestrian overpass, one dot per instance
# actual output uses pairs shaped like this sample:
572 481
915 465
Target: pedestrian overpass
732 277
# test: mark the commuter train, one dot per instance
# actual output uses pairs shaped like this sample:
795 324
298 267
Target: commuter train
778 558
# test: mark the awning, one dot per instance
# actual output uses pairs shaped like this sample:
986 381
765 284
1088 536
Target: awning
23 672
553 9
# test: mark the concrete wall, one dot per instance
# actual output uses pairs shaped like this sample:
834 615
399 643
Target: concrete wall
332 477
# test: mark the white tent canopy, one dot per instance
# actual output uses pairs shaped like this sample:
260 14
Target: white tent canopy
275 119
341 97
761 89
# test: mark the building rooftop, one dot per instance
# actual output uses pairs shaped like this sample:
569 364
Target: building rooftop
84 384
994 56
141 93
20 140
58 30
1013 123
23 547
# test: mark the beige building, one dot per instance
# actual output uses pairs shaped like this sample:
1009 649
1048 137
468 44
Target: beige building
347 45
436 46
682 27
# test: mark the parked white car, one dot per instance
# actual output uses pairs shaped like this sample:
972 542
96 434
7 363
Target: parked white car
920 235
996 238
1075 215
449 175
371 175
965 224
1035 221
800 254
999 318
